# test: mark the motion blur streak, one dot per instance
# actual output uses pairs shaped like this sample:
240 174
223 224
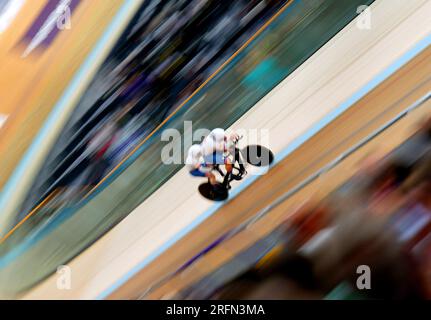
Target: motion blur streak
225 101
8 11
193 94
338 91
56 114
140 245
40 205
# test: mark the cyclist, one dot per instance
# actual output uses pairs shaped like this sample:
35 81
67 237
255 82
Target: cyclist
213 151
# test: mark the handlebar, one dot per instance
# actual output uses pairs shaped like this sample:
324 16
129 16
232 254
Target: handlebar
237 140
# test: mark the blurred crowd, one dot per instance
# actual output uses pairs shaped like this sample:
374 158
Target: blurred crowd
170 48
381 219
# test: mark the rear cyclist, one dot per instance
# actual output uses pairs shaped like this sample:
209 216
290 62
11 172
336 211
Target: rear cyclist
196 165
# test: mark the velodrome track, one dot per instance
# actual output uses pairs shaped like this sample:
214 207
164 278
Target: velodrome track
333 80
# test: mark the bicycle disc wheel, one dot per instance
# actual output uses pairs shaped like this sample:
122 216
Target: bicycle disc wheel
257 155
215 192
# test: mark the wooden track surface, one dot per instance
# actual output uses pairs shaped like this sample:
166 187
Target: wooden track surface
329 78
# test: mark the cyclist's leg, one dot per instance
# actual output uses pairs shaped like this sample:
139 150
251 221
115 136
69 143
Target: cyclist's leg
240 162
229 166
207 170
198 173
211 178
